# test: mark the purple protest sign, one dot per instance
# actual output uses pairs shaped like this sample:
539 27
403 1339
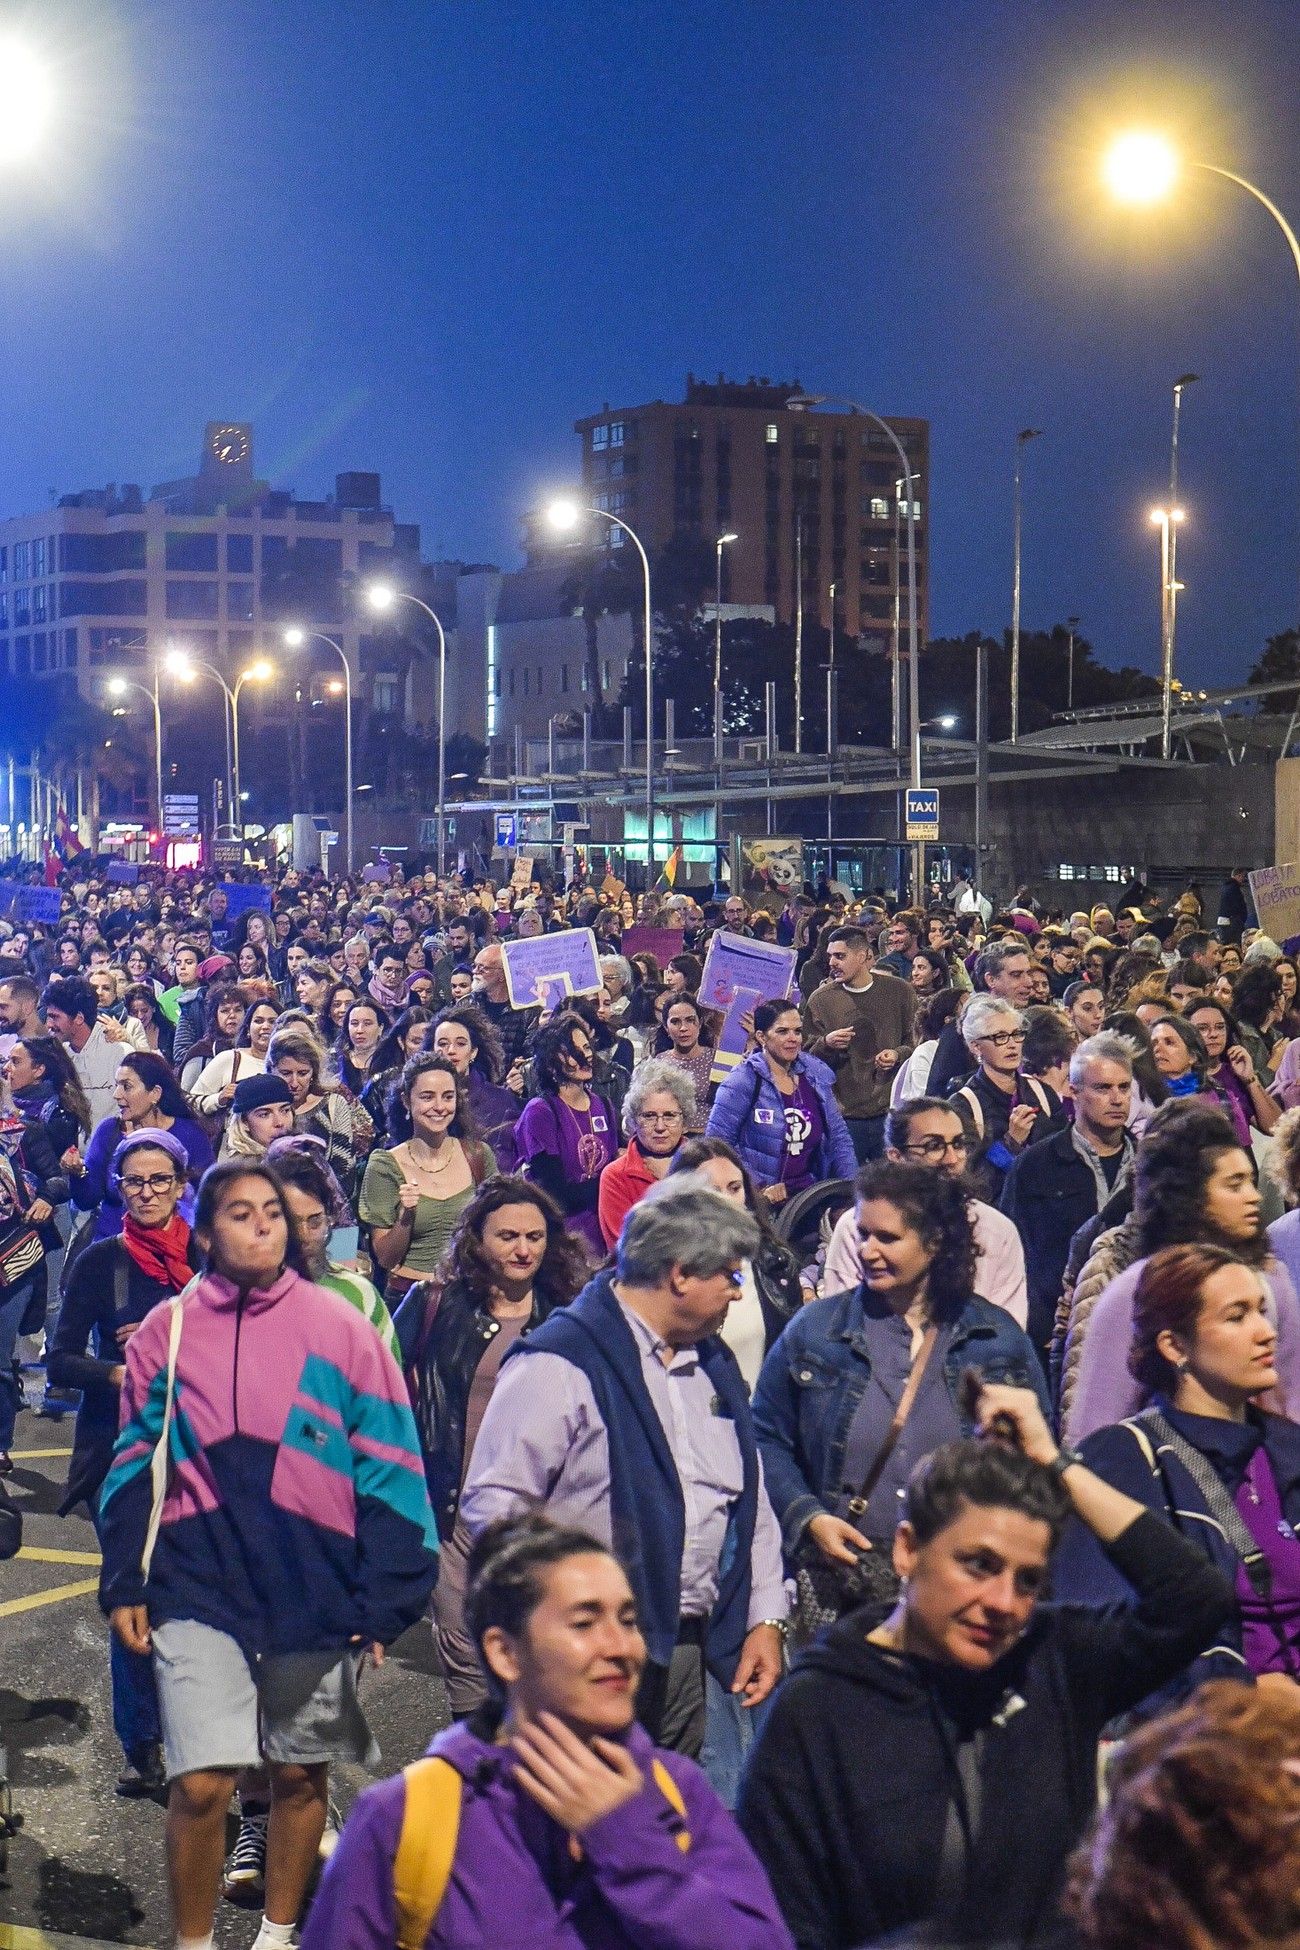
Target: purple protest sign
739 972
547 967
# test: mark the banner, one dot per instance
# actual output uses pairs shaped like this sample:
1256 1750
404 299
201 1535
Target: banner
241 895
773 870
662 943
548 967
1276 894
739 972
25 903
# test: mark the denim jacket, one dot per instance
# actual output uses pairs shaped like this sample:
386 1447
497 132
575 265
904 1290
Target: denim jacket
816 1374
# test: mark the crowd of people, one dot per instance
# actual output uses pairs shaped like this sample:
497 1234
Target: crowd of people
806 1459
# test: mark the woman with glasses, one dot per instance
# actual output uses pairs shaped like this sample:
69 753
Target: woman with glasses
656 1111
111 1288
1005 1109
864 1384
778 1110
926 1131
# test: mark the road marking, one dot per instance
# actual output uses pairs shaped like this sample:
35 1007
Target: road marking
37 1554
38 1598
31 1455
14 1937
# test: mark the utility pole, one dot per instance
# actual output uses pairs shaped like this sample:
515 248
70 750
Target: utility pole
798 629
1025 435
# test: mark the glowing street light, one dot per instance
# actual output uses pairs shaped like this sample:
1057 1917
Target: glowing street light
1140 167
1166 519
26 99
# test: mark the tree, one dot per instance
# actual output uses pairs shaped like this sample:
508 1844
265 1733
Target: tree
1280 660
597 585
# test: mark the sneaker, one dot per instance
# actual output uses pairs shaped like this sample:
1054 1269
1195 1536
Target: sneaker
329 1840
244 1876
143 1774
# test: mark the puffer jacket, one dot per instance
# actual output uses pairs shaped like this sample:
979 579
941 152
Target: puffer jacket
749 1113
1112 1252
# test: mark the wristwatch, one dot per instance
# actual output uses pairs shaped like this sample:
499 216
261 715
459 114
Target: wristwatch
1064 1459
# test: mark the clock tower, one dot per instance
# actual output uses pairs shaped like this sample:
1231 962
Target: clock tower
228 452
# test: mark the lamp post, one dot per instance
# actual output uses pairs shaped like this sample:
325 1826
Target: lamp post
118 687
381 596
257 673
803 402
1142 167
1184 379
294 637
1166 520
1023 438
1072 625
182 665
719 545
565 515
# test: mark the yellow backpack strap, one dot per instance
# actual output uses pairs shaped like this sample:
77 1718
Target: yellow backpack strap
672 1794
426 1848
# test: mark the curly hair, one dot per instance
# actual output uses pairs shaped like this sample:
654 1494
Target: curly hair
564 1270
1176 1158
553 1040
490 1056
1255 994
1198 1847
936 1208
1129 968
936 1012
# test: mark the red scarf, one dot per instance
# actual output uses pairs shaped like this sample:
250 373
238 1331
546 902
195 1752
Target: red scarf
159 1251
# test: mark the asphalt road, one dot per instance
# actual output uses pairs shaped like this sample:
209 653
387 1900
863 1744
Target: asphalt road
86 1867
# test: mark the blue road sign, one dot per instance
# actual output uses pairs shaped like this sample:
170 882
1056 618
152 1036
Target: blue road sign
507 831
922 811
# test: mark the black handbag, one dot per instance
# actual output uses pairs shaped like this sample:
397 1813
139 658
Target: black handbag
824 1590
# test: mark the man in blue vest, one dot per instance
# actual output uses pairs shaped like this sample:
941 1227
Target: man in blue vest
624 1413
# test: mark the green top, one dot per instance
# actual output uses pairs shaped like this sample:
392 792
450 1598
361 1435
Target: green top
360 1293
435 1218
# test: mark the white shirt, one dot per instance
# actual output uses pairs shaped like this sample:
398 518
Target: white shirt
744 1330
96 1066
999 1268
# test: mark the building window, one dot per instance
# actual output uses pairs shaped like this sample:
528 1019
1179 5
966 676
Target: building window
512 683
38 649
607 673
22 606
4 565
20 561
496 684
38 599
599 439
38 556
70 649
196 553
4 610
772 434
192 599
879 508
22 654
564 680
386 691
239 555
494 679
527 675
616 433
239 602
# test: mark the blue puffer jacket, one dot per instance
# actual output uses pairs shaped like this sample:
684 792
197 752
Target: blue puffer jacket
749 1112
816 1374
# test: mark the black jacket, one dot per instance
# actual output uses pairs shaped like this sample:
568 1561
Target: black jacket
990 1157
847 1792
1047 1194
1233 910
106 1290
441 1358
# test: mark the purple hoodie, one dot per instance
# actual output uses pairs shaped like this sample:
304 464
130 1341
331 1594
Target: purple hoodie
514 1881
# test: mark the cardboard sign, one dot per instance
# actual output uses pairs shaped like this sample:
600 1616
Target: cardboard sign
548 967
1276 894
24 903
739 972
123 873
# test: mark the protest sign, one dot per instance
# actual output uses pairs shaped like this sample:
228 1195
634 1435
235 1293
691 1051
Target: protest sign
123 873
1276 894
537 970
739 972
662 943
44 904
240 896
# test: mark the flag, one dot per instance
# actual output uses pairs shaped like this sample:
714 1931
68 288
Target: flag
66 843
673 866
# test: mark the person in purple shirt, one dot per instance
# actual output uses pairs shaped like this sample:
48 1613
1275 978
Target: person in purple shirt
568 1133
575 1831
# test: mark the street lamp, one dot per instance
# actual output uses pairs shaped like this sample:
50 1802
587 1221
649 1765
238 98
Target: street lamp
381 596
564 515
1142 167
1072 625
802 402
259 672
719 545
179 663
1023 438
26 99
294 638
118 687
1166 520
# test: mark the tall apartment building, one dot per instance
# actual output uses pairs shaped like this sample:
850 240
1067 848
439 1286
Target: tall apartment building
792 484
106 578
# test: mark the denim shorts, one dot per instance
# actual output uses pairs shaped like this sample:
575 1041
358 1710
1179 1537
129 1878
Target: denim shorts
220 1711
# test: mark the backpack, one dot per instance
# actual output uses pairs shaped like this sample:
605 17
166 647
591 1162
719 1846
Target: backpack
426 1846
976 1108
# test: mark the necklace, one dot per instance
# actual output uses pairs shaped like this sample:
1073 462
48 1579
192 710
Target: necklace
425 1164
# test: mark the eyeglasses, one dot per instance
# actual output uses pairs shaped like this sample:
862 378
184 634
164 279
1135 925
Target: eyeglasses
659 1117
158 1183
1003 1038
937 1147
317 1222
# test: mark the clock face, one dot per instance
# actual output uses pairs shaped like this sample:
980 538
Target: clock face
230 444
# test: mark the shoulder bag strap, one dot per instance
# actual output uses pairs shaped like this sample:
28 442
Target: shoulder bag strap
1217 1501
858 1503
1036 1089
426 1847
968 1096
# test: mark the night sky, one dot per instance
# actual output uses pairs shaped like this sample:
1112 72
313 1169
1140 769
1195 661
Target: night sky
423 236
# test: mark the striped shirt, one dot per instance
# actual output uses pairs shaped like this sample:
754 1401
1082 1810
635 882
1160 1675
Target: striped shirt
358 1291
